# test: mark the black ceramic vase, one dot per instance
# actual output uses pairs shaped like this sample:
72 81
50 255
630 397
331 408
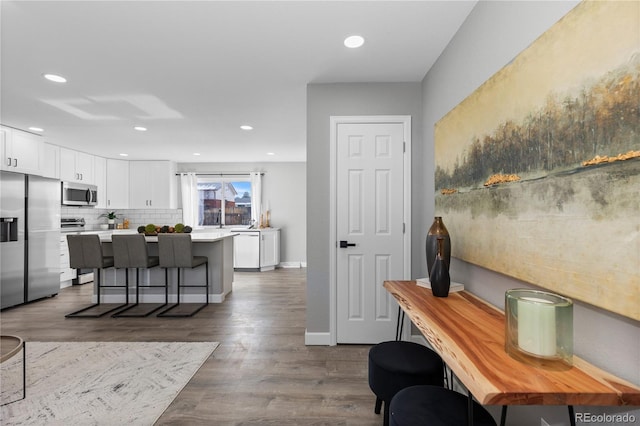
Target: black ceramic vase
439 277
437 230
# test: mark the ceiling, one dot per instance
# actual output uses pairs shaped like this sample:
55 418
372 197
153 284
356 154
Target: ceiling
193 72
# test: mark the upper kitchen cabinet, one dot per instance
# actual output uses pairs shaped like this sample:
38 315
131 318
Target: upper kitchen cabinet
76 166
117 184
100 180
20 151
152 185
50 161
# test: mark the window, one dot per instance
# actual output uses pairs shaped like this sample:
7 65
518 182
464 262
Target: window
224 202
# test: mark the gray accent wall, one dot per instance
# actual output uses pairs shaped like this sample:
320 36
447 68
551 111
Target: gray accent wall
493 34
347 99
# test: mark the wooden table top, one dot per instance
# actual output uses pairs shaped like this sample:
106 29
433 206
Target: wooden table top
469 335
9 346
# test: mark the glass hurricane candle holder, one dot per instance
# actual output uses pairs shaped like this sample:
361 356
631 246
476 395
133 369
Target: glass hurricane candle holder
538 325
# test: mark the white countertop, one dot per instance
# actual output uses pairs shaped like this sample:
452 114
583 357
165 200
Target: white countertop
200 236
254 229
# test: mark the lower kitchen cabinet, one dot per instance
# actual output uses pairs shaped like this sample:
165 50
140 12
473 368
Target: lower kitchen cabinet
256 249
67 274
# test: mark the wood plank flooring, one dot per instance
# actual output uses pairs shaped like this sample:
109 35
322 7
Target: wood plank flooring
262 373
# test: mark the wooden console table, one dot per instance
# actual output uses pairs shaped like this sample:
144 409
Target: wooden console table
468 333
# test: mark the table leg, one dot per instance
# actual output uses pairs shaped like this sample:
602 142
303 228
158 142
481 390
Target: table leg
503 416
470 409
400 324
24 369
572 416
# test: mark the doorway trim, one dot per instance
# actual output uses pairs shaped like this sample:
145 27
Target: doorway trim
334 121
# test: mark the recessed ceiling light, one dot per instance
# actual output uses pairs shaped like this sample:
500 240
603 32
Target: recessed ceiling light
140 128
36 129
271 153
246 127
124 155
354 41
55 78
196 153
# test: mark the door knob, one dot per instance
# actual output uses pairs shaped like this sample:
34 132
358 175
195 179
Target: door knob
345 244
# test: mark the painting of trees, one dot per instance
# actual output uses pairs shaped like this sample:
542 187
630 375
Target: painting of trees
603 119
559 127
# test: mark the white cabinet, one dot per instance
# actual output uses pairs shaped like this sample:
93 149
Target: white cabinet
257 249
76 166
20 151
269 249
100 180
152 185
246 250
50 161
117 193
67 274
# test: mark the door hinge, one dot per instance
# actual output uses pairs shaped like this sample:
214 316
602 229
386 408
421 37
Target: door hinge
403 227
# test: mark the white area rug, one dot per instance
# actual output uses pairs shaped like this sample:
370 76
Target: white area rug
98 383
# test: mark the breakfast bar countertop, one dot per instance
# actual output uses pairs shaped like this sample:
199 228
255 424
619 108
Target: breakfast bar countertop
196 237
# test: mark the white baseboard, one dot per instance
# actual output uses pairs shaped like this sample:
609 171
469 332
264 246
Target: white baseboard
289 265
317 339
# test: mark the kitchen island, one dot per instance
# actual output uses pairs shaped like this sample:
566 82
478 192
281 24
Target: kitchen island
217 246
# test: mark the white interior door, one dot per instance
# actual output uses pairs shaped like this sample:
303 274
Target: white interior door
370 226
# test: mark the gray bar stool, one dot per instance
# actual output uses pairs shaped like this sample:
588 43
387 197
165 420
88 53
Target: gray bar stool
176 251
85 252
131 251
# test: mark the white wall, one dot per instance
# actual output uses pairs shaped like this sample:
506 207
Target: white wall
493 34
284 188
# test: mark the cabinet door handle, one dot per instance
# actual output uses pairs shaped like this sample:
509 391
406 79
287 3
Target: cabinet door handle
108 202
9 161
15 162
150 204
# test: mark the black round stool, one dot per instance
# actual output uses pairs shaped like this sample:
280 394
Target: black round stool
396 365
435 406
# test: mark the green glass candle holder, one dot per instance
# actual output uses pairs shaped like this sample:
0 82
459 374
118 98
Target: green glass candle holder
539 326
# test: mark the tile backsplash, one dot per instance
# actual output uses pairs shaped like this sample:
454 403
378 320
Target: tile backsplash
136 217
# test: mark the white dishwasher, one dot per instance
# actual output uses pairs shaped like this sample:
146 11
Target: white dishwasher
246 249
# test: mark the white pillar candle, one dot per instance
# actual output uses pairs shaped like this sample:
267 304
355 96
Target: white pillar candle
537 326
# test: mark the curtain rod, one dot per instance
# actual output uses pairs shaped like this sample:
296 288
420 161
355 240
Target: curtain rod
220 174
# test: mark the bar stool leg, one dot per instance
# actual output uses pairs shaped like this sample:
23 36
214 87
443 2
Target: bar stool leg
99 293
180 286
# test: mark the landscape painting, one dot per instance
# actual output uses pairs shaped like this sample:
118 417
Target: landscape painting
538 170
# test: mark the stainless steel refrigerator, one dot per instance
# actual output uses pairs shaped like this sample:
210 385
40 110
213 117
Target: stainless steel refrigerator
30 238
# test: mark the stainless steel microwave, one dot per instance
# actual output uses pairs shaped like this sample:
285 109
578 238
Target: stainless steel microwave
79 194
